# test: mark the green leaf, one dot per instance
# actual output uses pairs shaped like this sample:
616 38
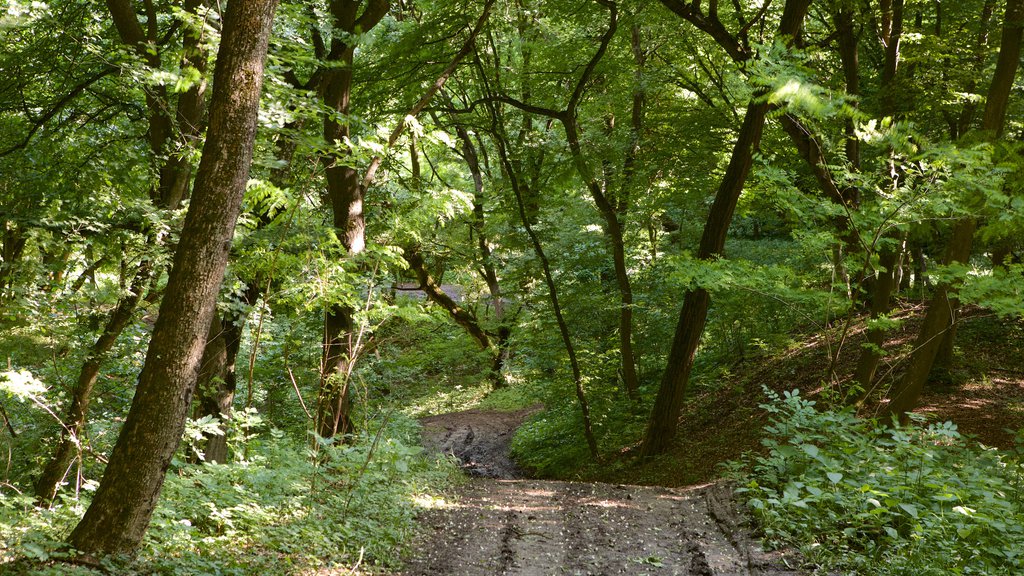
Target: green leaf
835 477
910 509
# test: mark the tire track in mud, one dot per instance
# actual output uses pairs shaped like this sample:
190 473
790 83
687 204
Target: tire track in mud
499 524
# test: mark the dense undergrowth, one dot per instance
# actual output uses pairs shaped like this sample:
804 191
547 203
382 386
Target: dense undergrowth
281 506
858 497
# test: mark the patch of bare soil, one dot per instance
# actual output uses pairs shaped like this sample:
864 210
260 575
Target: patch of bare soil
501 525
479 439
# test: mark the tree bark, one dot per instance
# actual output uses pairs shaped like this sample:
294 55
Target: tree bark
218 376
124 502
903 397
664 419
345 194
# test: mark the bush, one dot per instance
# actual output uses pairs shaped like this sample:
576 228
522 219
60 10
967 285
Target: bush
854 495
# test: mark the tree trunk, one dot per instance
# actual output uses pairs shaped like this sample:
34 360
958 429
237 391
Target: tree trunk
563 327
937 320
345 194
218 377
487 268
69 444
124 502
871 354
664 419
13 246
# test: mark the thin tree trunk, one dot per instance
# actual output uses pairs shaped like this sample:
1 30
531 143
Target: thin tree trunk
69 444
13 247
218 376
120 512
883 284
487 268
215 392
563 326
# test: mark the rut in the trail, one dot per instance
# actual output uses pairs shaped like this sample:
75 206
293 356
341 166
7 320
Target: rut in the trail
496 525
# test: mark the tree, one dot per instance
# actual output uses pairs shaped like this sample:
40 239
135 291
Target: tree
173 130
664 419
120 512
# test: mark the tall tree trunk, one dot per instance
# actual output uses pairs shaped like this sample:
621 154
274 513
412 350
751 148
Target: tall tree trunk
124 502
883 284
170 190
563 326
69 444
664 419
345 194
905 394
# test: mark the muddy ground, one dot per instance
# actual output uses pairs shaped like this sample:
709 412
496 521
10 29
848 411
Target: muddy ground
502 523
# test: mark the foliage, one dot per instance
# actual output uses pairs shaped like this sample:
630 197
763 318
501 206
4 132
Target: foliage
286 508
854 495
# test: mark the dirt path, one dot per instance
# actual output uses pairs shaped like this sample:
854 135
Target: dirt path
499 525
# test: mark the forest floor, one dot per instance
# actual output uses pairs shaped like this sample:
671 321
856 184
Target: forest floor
982 393
500 523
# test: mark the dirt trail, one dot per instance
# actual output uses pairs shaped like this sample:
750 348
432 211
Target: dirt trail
499 525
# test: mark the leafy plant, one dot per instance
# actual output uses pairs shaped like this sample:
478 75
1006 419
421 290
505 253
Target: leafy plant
854 495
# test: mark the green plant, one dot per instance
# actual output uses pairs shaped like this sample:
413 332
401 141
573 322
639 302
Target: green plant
854 495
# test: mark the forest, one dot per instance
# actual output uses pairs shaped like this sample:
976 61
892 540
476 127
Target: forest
274 273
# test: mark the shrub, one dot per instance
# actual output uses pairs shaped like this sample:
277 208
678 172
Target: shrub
854 495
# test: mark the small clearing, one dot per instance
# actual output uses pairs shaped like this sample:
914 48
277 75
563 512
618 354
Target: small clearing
499 523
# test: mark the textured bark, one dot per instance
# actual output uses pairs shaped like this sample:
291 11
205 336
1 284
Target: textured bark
345 193
904 396
124 502
664 419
